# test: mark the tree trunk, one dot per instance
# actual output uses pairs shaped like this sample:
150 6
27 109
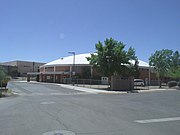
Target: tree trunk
160 84
159 79
1 85
109 80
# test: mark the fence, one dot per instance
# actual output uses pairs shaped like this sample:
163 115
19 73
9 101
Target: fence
152 84
99 84
88 83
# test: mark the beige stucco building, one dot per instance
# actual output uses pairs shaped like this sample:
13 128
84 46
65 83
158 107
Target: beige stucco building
24 67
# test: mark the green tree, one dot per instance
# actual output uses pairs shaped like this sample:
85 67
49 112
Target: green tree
86 72
135 69
112 58
2 76
161 61
174 71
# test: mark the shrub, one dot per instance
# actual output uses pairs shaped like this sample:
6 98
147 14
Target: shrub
1 94
172 84
3 78
3 83
178 84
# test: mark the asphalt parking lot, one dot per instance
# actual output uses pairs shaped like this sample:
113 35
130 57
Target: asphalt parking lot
41 109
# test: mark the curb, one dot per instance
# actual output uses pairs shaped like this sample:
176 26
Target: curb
156 90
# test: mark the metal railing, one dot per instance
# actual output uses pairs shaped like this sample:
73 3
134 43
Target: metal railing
88 83
99 84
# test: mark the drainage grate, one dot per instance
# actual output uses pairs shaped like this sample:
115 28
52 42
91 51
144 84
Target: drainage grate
59 132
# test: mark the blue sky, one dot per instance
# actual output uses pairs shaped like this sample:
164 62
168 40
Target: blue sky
45 30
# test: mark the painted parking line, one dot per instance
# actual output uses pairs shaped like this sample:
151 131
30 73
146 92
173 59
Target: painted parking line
158 120
47 103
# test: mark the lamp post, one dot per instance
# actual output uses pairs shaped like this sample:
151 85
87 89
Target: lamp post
108 60
33 66
109 77
73 67
149 75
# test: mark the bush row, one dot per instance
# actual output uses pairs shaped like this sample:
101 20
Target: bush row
173 84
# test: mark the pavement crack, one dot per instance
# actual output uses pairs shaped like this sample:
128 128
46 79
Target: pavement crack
103 132
56 118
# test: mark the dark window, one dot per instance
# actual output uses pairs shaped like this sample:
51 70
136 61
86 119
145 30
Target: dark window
26 66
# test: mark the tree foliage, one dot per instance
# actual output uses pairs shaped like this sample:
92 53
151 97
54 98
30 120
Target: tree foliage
166 63
2 76
135 69
161 60
112 58
174 71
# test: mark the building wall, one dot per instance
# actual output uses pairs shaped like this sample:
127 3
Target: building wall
25 66
62 68
10 70
144 73
49 69
11 63
80 70
47 76
58 78
55 68
42 69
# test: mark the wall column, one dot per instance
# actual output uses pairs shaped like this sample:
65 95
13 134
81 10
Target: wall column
91 72
54 78
70 72
28 78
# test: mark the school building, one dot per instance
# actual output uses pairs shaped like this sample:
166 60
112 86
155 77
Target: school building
77 65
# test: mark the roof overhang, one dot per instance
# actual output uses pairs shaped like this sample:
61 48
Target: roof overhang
77 65
49 73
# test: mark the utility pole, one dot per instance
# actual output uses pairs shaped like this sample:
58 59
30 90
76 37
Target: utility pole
73 67
33 66
149 76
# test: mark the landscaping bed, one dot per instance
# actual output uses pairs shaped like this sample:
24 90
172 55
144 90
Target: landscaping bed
5 92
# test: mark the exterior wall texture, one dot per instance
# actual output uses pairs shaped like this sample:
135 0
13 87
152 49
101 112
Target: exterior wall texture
144 73
25 66
58 73
62 68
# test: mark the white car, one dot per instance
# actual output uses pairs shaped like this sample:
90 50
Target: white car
138 82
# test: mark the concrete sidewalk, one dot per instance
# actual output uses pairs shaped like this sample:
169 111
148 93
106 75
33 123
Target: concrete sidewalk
89 90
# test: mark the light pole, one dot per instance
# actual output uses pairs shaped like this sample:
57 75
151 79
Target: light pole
73 67
149 75
109 77
33 66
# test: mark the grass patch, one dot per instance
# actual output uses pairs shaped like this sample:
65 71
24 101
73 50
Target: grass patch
1 95
5 92
9 91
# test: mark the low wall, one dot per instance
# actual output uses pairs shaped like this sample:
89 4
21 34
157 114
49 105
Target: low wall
120 83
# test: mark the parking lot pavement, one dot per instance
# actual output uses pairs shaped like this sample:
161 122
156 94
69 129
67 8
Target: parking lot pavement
25 88
88 114
54 87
